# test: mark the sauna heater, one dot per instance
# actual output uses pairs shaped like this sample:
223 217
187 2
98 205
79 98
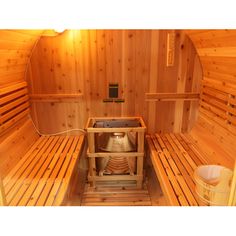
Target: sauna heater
115 147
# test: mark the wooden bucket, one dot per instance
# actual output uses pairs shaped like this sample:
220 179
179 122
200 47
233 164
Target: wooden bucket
213 184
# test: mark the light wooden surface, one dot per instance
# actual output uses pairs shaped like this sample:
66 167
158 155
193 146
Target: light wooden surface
171 96
15 50
15 143
217 112
86 61
43 175
16 133
174 161
115 193
55 97
232 196
14 104
221 153
105 195
2 194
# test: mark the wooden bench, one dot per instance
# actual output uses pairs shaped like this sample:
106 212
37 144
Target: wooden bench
174 159
42 177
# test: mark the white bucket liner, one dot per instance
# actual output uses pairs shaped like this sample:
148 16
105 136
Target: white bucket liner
213 184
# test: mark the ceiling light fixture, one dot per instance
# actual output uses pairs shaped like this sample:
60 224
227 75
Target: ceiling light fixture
59 30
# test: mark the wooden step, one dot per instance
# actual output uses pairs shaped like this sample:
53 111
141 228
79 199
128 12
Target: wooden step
106 195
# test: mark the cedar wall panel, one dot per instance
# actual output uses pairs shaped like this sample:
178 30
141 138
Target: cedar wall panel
217 111
86 61
15 50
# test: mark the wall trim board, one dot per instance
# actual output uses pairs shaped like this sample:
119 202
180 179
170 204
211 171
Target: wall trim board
171 96
55 97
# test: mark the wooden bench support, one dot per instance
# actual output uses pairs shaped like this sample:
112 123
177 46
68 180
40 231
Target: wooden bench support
2 194
43 175
174 161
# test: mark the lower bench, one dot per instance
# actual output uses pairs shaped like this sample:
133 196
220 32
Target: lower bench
42 177
174 161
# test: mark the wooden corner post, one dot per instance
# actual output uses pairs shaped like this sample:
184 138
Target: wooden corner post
232 196
140 159
92 162
3 201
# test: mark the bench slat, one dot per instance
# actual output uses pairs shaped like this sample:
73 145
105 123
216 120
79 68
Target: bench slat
42 182
40 174
20 179
173 172
28 180
70 170
187 149
45 171
49 184
61 174
13 171
184 153
192 147
174 161
178 192
189 181
165 184
19 169
180 156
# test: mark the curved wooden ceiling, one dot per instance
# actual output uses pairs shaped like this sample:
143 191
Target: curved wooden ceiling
216 48
217 52
15 49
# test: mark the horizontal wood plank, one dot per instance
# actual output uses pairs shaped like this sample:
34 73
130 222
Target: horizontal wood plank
55 97
171 96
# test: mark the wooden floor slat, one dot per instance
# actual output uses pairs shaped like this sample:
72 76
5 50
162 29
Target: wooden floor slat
106 196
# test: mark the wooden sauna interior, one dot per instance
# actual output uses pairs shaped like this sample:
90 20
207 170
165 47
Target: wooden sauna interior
182 83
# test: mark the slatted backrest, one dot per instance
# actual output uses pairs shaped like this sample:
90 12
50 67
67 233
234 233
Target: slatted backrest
14 104
219 103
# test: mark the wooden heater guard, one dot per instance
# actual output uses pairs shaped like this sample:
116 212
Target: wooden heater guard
92 154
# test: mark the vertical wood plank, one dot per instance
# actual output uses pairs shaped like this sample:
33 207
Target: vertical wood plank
87 61
140 158
92 163
153 79
3 201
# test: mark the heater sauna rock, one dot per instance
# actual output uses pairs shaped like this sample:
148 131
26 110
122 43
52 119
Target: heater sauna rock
116 150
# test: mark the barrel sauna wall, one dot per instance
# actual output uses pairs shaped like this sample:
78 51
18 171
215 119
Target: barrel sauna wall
15 50
68 78
138 55
217 111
